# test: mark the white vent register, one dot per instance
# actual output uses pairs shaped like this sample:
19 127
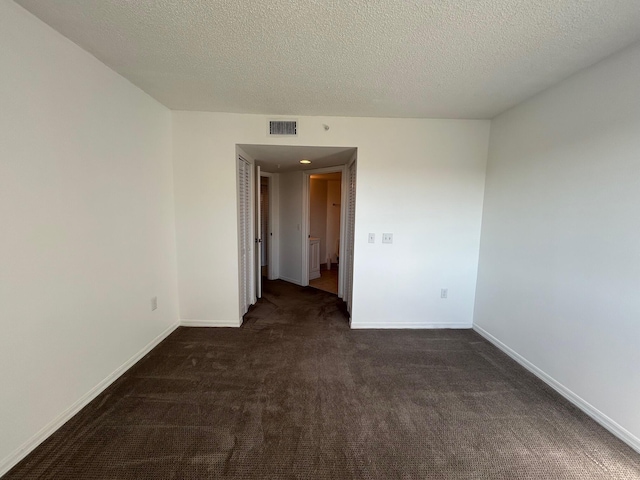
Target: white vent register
283 127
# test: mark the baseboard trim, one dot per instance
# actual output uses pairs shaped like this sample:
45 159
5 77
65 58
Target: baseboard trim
210 323
613 427
26 448
407 325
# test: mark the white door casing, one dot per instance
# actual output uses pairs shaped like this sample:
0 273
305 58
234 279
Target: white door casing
257 263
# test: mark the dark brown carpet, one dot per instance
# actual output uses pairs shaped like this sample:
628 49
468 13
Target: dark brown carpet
295 394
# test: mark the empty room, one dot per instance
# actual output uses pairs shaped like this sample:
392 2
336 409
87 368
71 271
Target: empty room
296 239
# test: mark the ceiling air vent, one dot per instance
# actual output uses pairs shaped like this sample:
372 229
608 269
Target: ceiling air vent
283 127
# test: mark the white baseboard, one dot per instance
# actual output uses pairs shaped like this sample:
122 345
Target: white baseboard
211 323
616 429
405 325
17 455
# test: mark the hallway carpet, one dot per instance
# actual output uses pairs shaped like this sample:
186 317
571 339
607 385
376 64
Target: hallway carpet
296 394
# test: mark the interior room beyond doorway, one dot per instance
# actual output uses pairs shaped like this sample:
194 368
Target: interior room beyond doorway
325 191
274 218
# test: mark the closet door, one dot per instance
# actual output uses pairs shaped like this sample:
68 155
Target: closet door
258 232
245 240
350 233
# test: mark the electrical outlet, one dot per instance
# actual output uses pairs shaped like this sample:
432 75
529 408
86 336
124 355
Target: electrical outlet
154 303
387 238
444 292
372 238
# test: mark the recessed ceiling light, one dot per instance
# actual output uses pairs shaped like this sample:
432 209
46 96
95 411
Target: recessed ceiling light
305 161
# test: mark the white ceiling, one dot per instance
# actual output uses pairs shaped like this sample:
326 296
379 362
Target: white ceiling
281 158
386 58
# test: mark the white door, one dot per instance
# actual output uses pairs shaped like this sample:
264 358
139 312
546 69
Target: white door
264 213
257 266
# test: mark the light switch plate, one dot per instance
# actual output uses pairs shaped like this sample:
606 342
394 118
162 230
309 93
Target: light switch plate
387 238
372 238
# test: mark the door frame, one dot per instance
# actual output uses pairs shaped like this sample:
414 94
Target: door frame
257 229
273 246
306 222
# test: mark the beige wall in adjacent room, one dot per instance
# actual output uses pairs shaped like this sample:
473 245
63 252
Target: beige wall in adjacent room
318 213
333 219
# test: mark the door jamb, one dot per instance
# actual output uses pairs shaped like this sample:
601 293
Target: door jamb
273 254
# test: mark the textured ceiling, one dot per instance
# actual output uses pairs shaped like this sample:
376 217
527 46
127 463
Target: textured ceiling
387 58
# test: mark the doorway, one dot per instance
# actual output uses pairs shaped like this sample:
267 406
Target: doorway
273 217
325 203
347 225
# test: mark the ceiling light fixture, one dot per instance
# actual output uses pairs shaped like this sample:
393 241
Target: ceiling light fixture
305 161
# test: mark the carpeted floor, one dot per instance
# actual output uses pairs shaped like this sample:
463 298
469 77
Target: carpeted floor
295 394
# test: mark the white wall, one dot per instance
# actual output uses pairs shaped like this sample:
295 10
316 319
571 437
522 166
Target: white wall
291 227
559 277
87 215
422 180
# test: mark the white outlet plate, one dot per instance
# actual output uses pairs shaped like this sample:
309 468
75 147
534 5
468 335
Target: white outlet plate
387 238
444 292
